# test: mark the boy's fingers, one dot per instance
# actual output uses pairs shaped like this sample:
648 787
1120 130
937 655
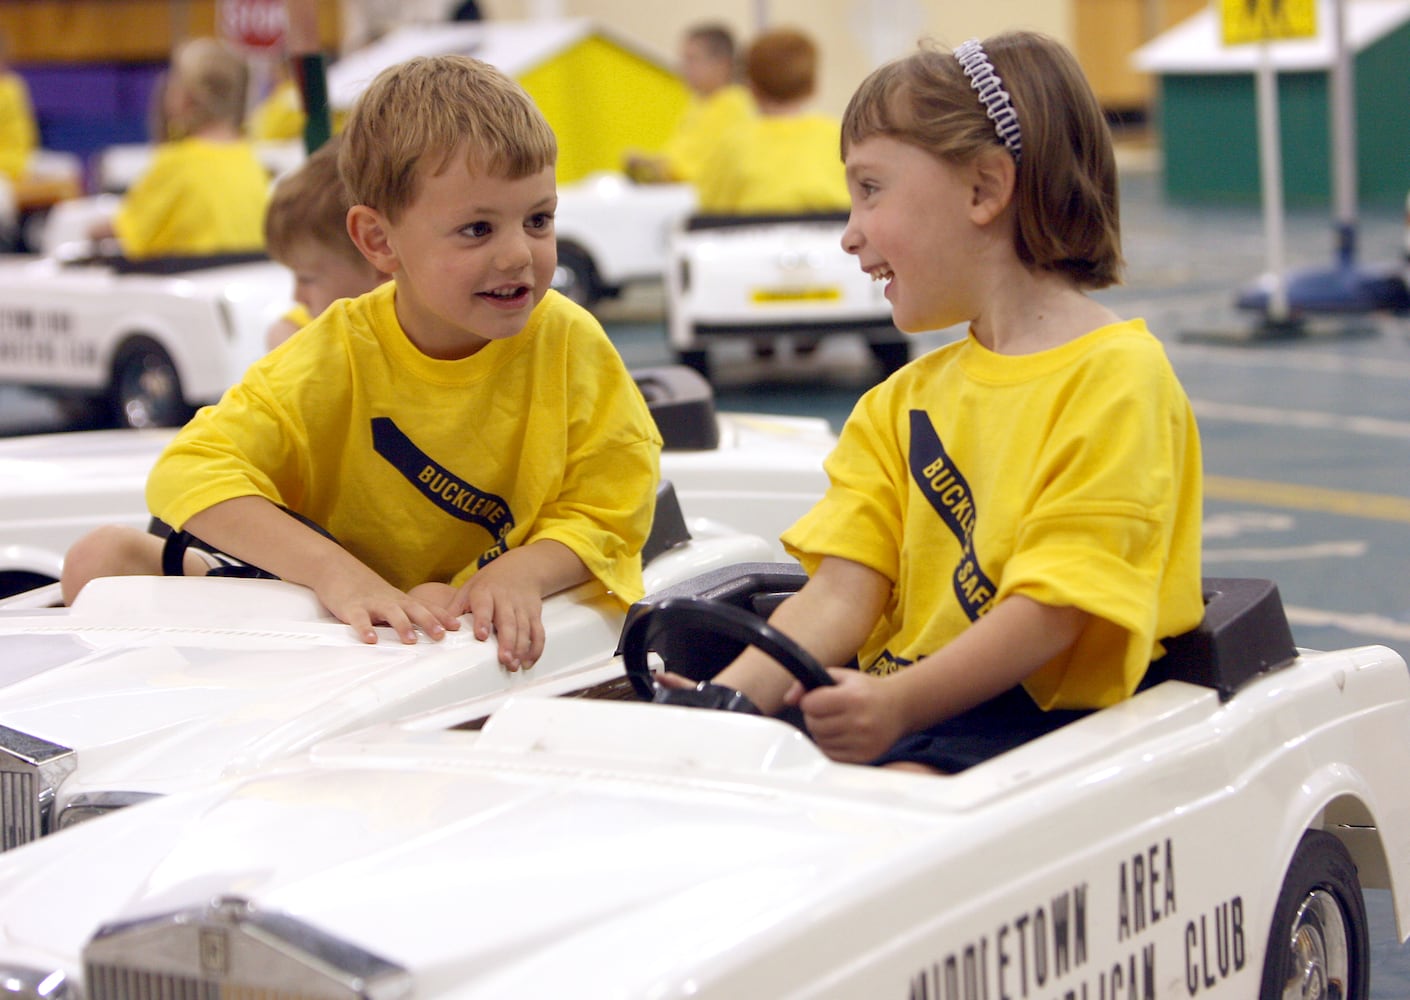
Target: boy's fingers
536 640
481 608
401 625
361 624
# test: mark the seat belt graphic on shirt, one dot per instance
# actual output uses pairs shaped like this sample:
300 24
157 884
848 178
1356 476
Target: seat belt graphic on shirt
438 484
947 491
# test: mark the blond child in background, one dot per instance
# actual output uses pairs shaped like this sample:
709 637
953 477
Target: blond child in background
469 436
305 229
719 106
205 191
784 160
1013 520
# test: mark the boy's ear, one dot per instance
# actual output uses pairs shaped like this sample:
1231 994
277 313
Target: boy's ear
367 228
992 175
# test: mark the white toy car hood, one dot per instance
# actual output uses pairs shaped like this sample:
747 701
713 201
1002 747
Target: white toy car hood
596 849
489 869
161 684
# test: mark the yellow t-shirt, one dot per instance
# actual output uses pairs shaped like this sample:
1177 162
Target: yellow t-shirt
197 197
777 164
706 123
426 469
19 136
1071 476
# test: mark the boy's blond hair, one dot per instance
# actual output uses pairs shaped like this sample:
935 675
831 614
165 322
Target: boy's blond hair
782 65
311 203
429 109
215 79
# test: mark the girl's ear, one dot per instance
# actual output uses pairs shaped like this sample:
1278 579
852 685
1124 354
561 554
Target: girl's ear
992 177
368 230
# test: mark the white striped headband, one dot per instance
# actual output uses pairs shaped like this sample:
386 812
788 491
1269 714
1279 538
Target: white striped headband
997 103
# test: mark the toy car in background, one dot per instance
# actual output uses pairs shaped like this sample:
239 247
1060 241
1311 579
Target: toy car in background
136 343
613 232
755 472
1209 837
762 276
150 685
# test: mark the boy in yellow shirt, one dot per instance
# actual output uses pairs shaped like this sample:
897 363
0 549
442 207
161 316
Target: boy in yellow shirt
470 437
205 192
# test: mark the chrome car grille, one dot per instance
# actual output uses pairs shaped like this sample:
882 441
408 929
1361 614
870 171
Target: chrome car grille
231 951
31 770
111 981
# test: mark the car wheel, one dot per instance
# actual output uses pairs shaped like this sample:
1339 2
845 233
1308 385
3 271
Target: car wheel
147 388
891 355
575 276
1318 946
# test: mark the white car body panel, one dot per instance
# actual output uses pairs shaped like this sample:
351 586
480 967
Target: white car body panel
63 325
603 849
623 227
163 684
54 488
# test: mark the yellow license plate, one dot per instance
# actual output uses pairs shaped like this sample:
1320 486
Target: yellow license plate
822 294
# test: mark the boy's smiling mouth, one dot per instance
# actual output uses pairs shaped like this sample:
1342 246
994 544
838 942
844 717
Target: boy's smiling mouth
506 294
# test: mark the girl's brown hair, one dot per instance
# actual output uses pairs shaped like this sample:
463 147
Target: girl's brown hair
1067 212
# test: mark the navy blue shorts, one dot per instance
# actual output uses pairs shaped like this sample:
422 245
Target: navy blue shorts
987 730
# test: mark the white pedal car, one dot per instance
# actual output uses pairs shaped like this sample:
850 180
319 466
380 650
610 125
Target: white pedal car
613 232
755 472
1210 837
150 685
763 276
140 344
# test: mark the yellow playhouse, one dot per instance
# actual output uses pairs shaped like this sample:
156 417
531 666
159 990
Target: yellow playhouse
602 92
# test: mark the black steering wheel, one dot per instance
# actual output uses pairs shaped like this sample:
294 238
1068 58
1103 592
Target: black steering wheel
700 614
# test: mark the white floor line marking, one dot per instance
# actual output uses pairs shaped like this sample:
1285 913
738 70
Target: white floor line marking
1319 550
1242 413
1299 360
1376 626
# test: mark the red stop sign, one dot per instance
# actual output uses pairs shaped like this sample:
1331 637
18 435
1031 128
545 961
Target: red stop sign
255 24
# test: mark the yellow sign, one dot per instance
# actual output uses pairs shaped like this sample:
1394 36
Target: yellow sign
1267 20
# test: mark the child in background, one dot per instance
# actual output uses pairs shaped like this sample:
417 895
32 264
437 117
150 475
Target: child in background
785 159
1013 520
305 229
718 107
205 192
470 437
